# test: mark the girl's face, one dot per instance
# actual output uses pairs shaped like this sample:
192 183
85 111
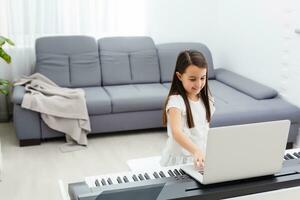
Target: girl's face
193 80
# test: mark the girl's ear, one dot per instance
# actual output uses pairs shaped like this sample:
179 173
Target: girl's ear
178 75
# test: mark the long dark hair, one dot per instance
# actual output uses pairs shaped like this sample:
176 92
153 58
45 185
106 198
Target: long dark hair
185 59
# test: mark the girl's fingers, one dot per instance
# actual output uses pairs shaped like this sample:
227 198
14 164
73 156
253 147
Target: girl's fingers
198 164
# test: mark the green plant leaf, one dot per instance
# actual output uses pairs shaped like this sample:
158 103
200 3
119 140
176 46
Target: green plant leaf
4 86
4 82
5 56
4 91
9 41
4 39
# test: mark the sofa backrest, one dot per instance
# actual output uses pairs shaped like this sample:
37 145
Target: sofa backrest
69 61
128 60
168 54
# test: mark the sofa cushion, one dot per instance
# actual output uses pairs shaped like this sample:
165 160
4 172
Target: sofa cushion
228 96
128 60
136 97
67 60
97 100
55 67
167 85
234 107
258 111
245 85
85 69
168 55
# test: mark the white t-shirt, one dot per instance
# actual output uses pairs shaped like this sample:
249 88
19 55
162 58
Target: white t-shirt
173 153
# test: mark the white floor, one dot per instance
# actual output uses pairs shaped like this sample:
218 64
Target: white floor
33 172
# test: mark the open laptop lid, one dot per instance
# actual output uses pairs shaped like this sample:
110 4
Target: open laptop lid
245 151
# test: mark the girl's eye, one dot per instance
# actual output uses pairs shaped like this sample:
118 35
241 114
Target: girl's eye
192 80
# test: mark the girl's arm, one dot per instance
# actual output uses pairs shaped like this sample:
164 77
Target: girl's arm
181 138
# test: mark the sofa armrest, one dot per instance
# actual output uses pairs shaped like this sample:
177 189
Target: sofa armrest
245 85
18 93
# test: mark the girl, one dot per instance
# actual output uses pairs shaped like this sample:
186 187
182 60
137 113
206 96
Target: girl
187 112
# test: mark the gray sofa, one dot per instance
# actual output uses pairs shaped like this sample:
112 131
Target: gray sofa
126 80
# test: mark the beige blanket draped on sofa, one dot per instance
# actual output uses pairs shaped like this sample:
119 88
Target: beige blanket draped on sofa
62 109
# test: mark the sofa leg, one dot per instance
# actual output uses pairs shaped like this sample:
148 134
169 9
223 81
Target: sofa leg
289 145
30 142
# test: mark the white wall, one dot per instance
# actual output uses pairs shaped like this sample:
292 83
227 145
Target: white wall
257 39
253 38
182 21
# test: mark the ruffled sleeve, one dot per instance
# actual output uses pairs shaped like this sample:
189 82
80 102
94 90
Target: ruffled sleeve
176 101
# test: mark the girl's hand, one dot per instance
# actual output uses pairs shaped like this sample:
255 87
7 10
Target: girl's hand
198 160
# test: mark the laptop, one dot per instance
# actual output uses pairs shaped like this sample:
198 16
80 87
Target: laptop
242 151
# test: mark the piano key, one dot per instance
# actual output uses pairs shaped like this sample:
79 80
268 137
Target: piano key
114 178
119 179
176 172
161 173
164 172
134 178
285 157
289 156
146 175
102 179
182 172
97 183
294 157
109 181
129 177
155 174
171 173
291 151
141 177
93 181
89 181
296 154
103 182
125 179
